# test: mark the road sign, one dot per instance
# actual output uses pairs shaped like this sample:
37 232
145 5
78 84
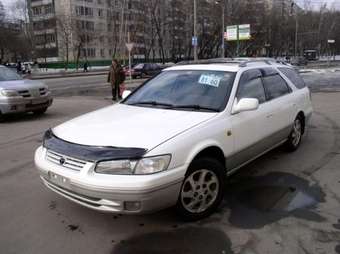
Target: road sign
232 33
331 41
129 46
194 41
244 32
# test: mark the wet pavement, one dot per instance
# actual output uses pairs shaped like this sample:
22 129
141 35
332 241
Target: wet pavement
190 240
258 201
280 203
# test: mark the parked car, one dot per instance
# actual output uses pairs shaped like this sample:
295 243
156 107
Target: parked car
299 61
175 139
19 95
144 70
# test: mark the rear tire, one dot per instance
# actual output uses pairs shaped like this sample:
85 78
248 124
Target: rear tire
40 111
202 189
295 137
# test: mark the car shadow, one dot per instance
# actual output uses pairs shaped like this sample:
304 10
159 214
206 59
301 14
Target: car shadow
25 117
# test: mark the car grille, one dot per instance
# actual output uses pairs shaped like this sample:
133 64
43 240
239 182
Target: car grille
65 161
33 93
25 93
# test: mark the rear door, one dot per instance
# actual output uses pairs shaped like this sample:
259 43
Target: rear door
247 127
280 106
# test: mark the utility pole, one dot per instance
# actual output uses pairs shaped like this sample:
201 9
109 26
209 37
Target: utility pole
195 31
293 8
86 35
223 28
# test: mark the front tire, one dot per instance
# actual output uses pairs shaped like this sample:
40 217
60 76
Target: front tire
295 137
202 189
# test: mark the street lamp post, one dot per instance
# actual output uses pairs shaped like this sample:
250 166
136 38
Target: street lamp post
296 33
223 27
222 2
195 31
295 9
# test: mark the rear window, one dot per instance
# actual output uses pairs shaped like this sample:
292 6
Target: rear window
275 86
294 77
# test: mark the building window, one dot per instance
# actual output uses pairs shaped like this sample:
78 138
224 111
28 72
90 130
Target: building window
84 11
100 13
102 52
49 9
37 10
43 39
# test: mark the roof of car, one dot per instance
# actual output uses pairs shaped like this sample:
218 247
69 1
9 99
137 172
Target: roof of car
228 64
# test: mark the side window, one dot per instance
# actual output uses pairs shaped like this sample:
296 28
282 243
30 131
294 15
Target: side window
294 77
275 86
251 86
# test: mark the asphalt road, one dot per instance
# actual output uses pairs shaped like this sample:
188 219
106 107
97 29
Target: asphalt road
318 81
84 86
281 203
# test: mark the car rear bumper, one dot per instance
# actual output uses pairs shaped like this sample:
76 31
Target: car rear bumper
20 105
111 193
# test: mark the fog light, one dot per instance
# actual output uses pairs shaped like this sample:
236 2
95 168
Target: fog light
132 206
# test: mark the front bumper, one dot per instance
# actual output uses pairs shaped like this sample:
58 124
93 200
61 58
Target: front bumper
130 194
21 105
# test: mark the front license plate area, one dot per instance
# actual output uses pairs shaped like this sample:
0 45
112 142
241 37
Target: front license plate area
38 101
59 180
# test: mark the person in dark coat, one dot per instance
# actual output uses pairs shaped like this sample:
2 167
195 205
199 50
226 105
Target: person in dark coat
86 65
19 67
115 78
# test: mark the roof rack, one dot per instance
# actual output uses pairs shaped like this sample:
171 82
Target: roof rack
242 62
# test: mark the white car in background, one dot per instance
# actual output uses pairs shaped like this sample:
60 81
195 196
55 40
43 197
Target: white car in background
18 95
175 139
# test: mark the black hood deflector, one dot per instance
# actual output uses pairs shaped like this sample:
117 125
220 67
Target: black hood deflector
90 153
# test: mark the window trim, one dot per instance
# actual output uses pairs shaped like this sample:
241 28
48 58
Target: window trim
290 90
260 77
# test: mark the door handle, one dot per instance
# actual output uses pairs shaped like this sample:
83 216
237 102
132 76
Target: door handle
270 115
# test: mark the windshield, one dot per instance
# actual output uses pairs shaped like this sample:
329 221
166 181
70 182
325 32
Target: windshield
186 90
8 75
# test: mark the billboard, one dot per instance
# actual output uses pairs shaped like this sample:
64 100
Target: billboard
244 32
238 32
232 33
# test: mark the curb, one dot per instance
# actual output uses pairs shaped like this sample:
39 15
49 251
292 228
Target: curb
71 75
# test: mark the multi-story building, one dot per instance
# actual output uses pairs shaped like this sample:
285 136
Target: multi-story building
86 29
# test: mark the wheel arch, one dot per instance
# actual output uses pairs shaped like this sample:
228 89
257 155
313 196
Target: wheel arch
211 150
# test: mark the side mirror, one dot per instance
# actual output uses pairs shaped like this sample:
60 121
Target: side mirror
125 94
245 104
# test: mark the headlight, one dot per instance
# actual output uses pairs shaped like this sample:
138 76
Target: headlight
144 166
152 165
122 167
8 93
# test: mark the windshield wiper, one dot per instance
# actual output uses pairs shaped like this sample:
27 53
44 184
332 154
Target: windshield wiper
196 107
152 103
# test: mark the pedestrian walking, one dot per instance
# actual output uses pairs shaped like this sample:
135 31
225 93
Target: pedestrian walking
19 67
116 77
86 65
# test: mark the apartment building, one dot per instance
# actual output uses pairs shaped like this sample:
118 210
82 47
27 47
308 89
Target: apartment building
86 29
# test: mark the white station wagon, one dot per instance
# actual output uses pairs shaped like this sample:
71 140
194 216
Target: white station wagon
175 139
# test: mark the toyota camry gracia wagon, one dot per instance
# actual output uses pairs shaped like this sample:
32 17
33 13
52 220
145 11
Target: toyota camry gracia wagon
175 139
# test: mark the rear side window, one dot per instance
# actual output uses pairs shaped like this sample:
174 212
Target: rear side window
251 86
294 77
275 86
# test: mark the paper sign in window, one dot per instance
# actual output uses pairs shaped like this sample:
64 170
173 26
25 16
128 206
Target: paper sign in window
210 80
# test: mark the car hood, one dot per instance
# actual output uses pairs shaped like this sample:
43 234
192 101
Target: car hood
21 84
129 126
